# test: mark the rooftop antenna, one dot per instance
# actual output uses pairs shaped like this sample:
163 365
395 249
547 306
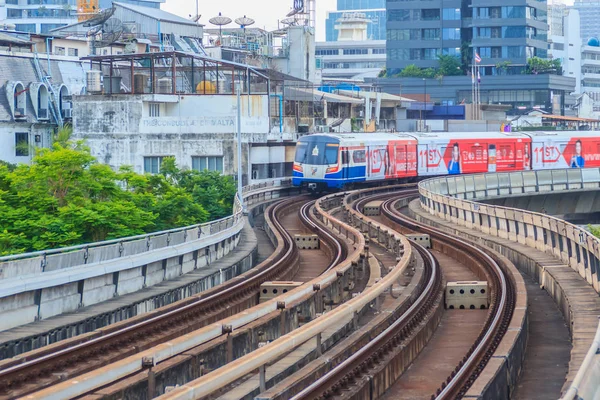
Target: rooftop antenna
243 22
220 20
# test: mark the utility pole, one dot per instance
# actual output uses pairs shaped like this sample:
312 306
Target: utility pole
239 143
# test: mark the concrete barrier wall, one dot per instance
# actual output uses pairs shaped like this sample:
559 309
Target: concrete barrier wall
39 285
454 199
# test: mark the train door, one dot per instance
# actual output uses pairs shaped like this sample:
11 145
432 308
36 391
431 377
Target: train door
506 157
401 161
537 155
345 163
491 157
430 159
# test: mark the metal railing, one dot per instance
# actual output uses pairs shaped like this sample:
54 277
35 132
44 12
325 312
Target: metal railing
50 260
454 199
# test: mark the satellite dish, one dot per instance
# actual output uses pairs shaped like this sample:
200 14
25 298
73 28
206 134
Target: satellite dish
290 21
111 31
279 32
220 20
244 21
100 18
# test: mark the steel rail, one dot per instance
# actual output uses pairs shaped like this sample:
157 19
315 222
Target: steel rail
239 368
470 367
339 250
358 363
24 368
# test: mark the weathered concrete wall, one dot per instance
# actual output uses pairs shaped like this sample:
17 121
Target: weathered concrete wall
121 132
8 131
43 295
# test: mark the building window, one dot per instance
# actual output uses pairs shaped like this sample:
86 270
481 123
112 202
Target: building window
154 110
451 33
399 15
59 51
21 144
450 14
378 51
485 52
431 34
452 51
398 34
431 14
73 52
211 163
14 13
431 54
327 52
152 164
25 28
484 33
355 51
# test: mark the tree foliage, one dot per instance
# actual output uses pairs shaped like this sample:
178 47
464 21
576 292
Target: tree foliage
536 65
65 197
447 66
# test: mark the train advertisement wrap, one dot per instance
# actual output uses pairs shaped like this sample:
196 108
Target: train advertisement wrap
467 156
566 152
337 160
394 160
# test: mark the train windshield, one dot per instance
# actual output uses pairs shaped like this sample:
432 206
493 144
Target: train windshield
317 151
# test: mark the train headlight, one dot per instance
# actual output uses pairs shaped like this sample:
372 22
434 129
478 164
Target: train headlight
297 167
332 169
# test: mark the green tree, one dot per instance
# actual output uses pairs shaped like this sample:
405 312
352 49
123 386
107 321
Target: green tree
411 71
536 65
449 65
66 197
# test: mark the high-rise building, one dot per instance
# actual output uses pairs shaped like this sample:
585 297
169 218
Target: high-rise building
503 36
374 10
566 45
589 12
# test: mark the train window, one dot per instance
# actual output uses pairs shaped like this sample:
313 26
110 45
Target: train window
359 156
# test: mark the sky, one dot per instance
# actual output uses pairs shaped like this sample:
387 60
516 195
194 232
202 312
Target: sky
266 13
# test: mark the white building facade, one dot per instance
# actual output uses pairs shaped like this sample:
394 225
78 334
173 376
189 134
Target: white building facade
352 55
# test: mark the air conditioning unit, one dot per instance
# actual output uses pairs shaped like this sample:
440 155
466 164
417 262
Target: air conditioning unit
67 113
322 128
67 105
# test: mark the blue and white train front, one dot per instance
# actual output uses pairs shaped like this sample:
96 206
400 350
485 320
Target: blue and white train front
317 163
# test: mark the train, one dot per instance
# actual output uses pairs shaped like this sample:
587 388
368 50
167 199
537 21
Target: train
333 161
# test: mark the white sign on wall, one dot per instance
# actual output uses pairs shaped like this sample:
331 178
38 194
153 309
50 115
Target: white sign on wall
216 124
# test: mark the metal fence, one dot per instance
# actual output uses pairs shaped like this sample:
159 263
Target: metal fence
453 199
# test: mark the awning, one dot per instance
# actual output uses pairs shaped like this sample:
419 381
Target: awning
565 118
306 94
372 95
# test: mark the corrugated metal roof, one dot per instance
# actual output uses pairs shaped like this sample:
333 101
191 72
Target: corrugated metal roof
306 94
5 38
158 14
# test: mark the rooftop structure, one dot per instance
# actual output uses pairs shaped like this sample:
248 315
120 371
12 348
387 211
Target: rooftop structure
373 10
42 16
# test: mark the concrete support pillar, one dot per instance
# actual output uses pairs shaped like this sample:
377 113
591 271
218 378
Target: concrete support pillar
319 347
262 370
